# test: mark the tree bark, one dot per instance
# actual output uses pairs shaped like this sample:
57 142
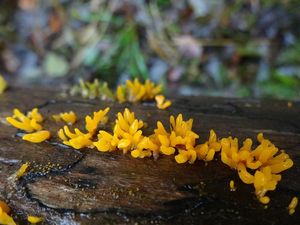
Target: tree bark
67 186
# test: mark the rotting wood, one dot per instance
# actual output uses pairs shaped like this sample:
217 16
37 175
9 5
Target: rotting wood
66 186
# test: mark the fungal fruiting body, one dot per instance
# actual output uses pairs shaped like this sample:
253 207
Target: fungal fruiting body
258 164
69 117
34 219
292 206
37 137
3 84
5 218
22 170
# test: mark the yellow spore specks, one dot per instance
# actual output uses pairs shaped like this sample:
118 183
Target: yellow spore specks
3 85
22 170
34 219
232 186
161 102
292 206
69 117
37 137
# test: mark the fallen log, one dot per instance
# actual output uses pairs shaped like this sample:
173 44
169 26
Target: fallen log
67 186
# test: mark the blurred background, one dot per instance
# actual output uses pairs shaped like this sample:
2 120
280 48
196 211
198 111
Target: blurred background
247 48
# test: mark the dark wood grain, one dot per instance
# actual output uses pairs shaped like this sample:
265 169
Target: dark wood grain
67 186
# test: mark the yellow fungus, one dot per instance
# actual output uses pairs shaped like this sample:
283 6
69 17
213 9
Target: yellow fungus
292 206
61 135
127 131
19 124
99 118
232 186
183 156
161 102
28 123
37 137
181 137
5 219
34 114
34 219
35 126
264 200
105 142
258 165
121 94
5 208
22 170
264 161
207 150
69 117
76 139
291 211
151 90
145 148
80 142
244 175
3 85
134 91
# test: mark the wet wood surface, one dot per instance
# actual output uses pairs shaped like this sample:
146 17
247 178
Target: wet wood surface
66 186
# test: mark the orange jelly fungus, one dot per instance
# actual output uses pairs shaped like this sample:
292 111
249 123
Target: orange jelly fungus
69 117
5 218
34 219
161 102
259 164
37 137
22 170
134 91
28 123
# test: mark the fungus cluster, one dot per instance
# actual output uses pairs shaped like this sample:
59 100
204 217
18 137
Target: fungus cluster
259 164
